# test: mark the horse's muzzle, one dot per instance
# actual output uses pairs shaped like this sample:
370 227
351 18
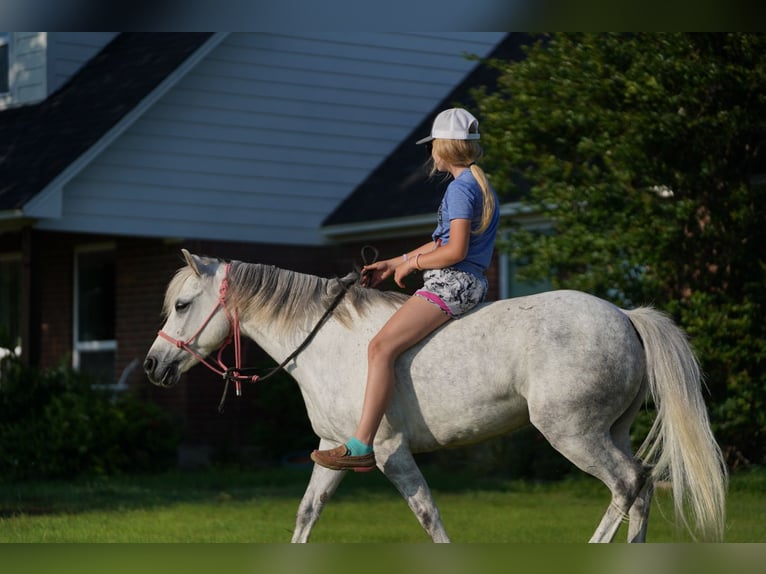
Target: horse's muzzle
162 376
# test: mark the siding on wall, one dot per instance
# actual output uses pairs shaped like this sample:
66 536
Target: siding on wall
264 138
68 51
41 62
26 70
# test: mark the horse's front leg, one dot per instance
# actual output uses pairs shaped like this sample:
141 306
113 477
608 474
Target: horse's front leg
400 468
321 487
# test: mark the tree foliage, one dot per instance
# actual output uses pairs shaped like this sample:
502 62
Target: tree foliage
645 152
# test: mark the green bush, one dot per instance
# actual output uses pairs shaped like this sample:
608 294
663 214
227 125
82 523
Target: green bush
56 424
283 429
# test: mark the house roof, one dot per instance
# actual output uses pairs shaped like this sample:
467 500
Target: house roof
38 142
400 187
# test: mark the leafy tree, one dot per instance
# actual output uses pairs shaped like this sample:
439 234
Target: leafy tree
645 153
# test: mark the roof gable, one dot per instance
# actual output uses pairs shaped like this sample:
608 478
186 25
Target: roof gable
38 143
400 187
282 126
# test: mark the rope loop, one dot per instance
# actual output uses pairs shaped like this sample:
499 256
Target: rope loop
371 260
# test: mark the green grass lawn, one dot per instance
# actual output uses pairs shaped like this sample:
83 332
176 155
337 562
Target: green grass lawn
259 506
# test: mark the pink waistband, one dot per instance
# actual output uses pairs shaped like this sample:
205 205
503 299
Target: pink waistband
435 299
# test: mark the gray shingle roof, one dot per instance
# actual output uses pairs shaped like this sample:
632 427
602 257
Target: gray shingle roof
38 142
400 186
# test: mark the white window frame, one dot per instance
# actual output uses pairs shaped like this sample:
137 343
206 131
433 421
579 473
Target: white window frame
6 39
85 346
505 262
16 257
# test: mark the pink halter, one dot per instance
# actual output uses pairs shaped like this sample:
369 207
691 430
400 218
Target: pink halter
234 334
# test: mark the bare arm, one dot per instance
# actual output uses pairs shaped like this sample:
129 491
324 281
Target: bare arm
427 256
449 254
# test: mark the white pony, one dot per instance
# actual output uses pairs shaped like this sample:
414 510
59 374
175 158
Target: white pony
576 367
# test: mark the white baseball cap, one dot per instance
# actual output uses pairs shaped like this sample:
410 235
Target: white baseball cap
453 124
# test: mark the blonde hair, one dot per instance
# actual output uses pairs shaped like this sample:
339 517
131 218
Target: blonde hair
465 153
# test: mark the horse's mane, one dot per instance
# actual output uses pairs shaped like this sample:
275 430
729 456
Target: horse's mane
288 298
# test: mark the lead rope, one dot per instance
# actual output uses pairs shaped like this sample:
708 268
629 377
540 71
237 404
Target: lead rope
237 374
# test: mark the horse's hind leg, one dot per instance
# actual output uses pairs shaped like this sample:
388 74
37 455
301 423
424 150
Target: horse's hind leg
321 487
591 448
639 513
631 493
400 468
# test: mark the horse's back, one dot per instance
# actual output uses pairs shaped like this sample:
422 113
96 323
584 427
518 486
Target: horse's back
543 329
489 365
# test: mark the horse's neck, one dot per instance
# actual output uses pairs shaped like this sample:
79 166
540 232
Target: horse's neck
280 337
275 346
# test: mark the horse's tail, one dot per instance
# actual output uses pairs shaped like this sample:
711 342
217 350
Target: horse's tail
680 443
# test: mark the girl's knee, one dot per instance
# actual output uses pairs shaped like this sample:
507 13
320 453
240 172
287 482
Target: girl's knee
379 348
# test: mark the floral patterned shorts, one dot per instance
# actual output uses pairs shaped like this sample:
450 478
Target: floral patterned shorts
455 292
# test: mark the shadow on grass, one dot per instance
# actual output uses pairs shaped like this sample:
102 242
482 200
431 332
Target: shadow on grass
227 484
149 491
231 484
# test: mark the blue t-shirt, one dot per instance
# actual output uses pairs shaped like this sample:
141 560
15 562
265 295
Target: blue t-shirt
463 200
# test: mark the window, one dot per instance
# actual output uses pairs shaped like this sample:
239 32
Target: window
515 288
5 63
10 304
510 286
95 345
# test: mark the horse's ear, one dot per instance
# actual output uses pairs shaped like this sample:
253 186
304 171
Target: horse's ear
197 264
191 261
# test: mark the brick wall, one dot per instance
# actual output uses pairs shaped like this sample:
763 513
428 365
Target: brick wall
53 284
143 269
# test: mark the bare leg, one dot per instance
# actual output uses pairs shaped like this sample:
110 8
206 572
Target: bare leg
412 322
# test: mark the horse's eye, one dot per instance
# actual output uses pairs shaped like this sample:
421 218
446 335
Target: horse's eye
181 306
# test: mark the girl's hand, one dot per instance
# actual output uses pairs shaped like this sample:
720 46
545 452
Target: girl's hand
374 273
402 271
